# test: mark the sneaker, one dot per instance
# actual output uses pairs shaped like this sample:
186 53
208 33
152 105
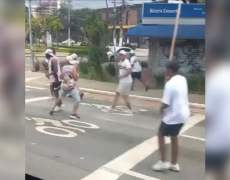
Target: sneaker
51 113
82 95
57 109
74 116
174 167
161 166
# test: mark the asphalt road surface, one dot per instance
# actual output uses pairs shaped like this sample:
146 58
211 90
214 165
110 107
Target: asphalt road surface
102 145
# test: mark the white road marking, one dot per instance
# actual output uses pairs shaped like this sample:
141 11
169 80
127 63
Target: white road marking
33 78
132 157
67 133
140 176
37 99
37 88
193 137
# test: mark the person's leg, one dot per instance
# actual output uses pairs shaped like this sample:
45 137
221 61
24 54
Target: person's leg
51 90
142 81
77 99
127 101
116 98
174 151
161 144
58 100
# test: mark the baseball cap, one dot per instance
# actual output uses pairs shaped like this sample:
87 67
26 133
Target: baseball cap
73 59
49 51
123 52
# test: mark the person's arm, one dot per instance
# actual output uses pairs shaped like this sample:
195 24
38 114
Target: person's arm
129 71
75 73
166 99
54 65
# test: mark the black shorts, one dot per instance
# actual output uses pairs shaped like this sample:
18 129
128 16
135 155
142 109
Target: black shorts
170 130
216 161
56 87
136 75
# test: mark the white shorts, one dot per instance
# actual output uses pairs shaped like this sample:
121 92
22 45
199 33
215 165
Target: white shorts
124 88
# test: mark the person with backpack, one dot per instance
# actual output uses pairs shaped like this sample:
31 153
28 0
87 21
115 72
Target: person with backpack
70 76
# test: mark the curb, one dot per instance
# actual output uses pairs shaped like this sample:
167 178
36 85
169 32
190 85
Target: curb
145 98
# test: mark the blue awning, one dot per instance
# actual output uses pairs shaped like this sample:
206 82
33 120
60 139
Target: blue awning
166 31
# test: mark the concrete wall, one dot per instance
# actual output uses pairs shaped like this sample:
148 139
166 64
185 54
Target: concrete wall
189 53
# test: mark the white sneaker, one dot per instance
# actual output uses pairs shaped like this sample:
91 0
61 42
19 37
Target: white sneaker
161 166
57 109
174 167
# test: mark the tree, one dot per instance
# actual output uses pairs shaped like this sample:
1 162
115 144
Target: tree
39 27
97 33
54 25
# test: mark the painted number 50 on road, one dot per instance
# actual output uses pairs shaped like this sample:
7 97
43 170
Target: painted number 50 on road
62 128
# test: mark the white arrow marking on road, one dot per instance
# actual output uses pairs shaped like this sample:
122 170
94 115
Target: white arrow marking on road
132 157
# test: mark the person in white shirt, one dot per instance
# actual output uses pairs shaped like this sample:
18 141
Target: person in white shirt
175 111
125 80
217 97
136 70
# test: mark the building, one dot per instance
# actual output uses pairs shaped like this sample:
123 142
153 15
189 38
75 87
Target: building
127 17
158 23
45 7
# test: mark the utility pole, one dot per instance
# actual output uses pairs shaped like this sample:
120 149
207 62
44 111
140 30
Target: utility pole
114 25
69 20
31 38
173 44
107 11
121 22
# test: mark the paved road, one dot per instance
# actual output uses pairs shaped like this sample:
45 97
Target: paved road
102 146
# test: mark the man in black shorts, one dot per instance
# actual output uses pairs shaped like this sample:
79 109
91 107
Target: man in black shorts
136 70
175 111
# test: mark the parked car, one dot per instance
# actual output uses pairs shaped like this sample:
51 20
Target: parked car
67 41
113 51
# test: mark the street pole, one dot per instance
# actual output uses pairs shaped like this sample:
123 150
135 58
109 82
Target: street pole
121 23
172 49
69 4
31 38
107 11
114 25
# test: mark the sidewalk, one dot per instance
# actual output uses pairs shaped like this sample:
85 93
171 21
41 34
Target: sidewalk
139 90
107 86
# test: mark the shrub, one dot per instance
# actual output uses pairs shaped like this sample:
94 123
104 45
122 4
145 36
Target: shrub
110 69
84 68
196 83
160 80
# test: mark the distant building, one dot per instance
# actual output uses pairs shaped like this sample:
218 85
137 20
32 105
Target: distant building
46 7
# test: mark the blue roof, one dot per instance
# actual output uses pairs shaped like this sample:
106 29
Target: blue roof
166 31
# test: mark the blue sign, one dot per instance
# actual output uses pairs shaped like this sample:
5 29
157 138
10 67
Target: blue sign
165 10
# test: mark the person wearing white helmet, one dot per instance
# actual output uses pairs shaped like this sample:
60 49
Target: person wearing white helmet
69 76
125 80
136 70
